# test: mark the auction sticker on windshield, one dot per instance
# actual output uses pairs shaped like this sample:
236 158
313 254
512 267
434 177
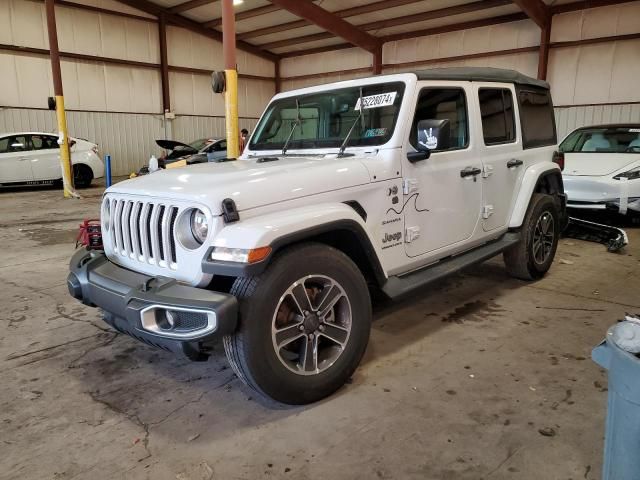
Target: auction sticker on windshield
377 101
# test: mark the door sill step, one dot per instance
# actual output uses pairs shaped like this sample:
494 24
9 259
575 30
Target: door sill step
399 286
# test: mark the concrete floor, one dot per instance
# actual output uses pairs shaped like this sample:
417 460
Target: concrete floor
457 383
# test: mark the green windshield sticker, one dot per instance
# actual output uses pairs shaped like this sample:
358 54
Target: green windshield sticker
375 132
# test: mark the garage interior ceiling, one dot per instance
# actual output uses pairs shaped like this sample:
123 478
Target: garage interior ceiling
270 27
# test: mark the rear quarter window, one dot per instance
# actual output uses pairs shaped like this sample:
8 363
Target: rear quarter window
536 117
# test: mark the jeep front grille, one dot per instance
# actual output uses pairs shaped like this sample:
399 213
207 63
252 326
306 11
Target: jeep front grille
143 231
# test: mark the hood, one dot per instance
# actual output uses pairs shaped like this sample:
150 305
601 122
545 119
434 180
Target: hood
250 183
597 164
173 145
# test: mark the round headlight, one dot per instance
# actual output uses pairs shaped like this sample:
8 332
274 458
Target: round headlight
106 215
199 225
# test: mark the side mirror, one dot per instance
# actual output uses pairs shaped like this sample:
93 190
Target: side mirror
431 135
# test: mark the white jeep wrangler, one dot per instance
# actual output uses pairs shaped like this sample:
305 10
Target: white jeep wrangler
391 182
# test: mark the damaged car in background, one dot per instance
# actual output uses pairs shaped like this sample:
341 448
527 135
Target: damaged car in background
601 173
602 169
181 154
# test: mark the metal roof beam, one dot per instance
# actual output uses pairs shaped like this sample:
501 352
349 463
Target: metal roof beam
514 17
190 5
330 22
397 21
196 27
348 12
536 10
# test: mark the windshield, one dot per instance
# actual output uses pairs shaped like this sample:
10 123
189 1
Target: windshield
200 144
603 140
326 118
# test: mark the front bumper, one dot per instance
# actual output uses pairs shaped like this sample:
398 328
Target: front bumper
602 193
128 298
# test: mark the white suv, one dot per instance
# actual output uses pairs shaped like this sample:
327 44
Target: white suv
275 253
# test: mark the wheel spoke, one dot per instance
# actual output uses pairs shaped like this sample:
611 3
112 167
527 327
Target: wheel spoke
309 354
545 222
328 302
288 334
301 298
335 333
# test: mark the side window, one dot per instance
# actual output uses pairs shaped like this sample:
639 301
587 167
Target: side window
443 104
221 145
17 143
498 119
536 117
43 142
4 145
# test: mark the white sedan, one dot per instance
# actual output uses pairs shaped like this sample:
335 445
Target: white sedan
602 168
34 158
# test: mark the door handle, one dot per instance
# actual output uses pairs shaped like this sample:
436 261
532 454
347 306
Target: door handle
470 172
514 162
22 159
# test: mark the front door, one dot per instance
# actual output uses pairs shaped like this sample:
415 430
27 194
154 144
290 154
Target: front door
501 151
15 165
442 194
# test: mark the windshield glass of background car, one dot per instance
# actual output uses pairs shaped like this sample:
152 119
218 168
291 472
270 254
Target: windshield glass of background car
326 118
199 144
602 140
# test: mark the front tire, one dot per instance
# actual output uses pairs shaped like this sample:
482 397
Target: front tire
304 325
533 255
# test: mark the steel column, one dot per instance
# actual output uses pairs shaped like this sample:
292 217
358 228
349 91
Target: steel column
543 57
164 64
65 155
231 74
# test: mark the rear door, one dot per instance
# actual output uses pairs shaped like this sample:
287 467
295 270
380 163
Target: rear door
45 157
15 165
501 151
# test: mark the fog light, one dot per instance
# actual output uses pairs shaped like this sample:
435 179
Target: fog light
166 319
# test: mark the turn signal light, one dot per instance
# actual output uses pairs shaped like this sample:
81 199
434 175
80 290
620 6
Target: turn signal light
240 255
258 254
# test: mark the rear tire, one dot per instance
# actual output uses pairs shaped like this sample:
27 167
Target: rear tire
289 355
82 176
533 255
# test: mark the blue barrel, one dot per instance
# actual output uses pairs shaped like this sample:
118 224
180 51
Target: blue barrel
622 436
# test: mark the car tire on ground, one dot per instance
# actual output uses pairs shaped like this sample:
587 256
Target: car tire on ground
82 176
304 324
533 255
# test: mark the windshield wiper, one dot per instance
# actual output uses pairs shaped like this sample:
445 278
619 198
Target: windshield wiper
346 139
293 129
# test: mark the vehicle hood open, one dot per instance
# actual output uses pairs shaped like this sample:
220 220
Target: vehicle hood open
173 145
250 183
597 164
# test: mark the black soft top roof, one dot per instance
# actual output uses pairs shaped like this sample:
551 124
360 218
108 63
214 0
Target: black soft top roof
480 74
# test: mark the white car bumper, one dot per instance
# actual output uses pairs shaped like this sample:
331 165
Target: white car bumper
599 193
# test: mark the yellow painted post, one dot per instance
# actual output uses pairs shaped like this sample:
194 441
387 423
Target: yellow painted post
65 155
231 80
231 114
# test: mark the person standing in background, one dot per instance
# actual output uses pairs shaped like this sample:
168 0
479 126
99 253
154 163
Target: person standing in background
244 138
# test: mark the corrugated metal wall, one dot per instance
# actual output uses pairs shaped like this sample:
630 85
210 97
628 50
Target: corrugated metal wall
570 118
